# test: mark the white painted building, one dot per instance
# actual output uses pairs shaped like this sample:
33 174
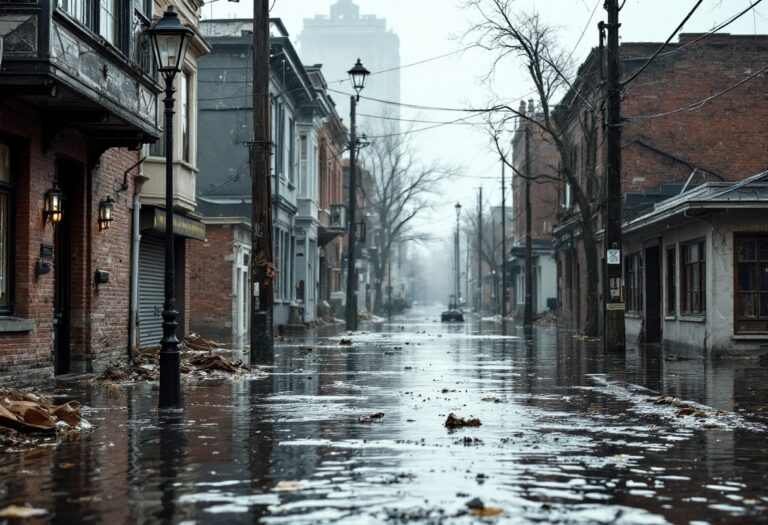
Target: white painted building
696 271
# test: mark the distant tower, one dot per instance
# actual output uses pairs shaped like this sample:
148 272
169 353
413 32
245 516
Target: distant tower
337 41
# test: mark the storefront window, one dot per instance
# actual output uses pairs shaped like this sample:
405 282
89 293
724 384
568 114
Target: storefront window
751 295
634 283
692 278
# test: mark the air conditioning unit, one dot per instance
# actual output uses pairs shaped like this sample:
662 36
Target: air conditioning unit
338 217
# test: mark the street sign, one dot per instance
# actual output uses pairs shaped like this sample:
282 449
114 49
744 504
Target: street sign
613 257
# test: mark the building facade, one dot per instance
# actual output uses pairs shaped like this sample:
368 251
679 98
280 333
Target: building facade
533 153
687 116
307 137
695 266
148 286
78 101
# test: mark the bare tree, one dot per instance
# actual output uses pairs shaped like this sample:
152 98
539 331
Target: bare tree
491 243
514 34
395 194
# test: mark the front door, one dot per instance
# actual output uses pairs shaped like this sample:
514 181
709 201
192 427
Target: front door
62 274
652 295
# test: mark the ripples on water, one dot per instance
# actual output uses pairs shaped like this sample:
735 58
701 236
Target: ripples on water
568 436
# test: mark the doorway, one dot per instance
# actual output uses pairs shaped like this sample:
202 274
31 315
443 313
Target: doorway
66 173
652 295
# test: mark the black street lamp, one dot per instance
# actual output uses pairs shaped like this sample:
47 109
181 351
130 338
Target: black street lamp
358 74
169 40
457 285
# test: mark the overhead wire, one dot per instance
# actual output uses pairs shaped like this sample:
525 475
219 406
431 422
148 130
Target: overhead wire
665 44
700 103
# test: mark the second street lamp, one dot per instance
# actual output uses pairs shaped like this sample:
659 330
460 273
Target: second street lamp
169 41
457 285
358 74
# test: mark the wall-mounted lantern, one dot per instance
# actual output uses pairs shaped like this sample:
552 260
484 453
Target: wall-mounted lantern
106 207
52 210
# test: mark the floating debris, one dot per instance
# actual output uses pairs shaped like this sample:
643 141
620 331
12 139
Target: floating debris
31 412
199 357
378 416
346 342
288 486
454 421
21 512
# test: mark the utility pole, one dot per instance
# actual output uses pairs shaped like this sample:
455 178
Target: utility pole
613 313
528 310
351 308
480 250
503 243
262 267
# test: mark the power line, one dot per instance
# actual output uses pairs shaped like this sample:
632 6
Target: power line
416 121
416 106
431 59
411 131
665 44
697 105
709 33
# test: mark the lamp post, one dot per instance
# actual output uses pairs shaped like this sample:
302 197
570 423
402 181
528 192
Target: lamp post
169 40
456 247
358 74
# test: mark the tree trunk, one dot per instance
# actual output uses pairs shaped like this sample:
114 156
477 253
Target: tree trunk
378 270
590 252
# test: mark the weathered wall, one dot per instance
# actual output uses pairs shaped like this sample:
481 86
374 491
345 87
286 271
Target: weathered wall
99 323
210 274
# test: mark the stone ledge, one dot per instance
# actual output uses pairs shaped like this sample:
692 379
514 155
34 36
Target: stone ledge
16 324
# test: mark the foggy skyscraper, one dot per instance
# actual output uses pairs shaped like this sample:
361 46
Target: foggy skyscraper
337 41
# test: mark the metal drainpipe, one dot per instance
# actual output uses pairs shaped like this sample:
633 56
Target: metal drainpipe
135 240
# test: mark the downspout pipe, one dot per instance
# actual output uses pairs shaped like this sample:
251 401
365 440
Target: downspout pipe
133 315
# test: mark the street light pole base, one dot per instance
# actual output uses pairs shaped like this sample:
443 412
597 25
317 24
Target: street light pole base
170 380
262 341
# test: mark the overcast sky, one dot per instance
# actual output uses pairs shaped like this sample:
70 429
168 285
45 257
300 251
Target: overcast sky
430 28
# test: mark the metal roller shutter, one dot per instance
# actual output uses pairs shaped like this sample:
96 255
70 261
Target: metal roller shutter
151 290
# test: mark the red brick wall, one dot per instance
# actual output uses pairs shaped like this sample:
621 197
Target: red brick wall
111 251
99 317
210 273
544 190
722 137
725 135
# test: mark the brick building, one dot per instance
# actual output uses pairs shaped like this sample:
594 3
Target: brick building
693 116
540 156
76 103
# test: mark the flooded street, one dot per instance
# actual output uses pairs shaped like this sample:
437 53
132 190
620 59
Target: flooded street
568 435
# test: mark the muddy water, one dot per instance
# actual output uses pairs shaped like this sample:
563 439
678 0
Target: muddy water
568 435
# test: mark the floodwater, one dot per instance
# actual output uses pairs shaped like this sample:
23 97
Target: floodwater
568 435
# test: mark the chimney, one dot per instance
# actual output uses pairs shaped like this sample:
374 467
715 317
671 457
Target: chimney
531 108
522 112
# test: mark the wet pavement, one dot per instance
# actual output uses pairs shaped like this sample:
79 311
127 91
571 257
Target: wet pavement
568 435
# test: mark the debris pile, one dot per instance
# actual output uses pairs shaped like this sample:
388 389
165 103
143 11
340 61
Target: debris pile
34 413
378 416
200 357
547 320
455 421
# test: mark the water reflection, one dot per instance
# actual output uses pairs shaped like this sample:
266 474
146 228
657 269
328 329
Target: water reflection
569 434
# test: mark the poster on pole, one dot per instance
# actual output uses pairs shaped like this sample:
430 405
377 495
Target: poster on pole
613 257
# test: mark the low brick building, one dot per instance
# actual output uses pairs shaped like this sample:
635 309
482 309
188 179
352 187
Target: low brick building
69 127
695 115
